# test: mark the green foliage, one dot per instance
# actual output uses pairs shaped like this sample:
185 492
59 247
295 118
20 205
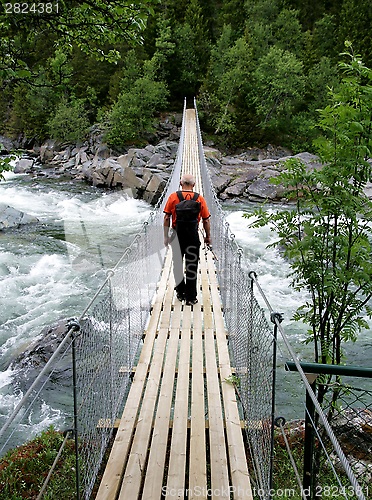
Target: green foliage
229 67
191 54
260 80
280 85
327 236
141 96
355 25
133 113
32 106
69 122
24 469
5 164
72 23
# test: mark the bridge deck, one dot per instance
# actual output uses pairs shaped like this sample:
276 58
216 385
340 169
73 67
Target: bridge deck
180 434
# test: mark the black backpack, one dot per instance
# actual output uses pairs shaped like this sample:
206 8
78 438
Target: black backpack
187 211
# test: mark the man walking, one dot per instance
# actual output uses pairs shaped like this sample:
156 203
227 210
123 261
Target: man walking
185 209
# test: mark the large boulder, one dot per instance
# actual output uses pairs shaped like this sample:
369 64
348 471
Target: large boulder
112 174
12 218
48 150
24 165
154 189
30 362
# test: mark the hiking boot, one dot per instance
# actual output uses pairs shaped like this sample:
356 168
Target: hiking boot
180 296
191 302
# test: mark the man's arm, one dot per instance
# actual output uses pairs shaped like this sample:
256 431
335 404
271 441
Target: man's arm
207 229
166 225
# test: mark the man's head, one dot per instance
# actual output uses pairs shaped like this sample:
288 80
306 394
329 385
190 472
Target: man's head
187 181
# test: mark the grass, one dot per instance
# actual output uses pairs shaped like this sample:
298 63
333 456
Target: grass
327 487
24 469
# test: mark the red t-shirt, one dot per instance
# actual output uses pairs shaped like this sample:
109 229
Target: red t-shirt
170 206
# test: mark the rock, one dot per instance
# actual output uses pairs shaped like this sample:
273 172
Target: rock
154 189
24 165
12 218
263 189
125 160
6 145
236 189
212 153
353 429
220 182
311 161
48 150
156 159
30 363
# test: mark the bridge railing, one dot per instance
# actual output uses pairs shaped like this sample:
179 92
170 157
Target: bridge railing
105 342
253 345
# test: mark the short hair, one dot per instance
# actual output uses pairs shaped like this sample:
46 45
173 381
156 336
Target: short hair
187 179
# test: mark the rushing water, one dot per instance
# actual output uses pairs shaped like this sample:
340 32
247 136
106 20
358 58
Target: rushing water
52 269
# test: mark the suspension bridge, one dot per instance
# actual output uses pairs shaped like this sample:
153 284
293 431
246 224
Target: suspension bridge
172 400
181 430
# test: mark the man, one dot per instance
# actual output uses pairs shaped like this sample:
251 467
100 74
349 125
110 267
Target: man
188 207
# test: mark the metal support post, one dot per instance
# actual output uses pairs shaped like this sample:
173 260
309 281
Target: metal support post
275 318
308 480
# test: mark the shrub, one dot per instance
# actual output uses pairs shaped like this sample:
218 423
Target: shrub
70 121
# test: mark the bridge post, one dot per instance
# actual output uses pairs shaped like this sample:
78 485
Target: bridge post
275 318
308 480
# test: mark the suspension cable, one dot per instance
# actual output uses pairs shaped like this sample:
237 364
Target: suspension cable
279 422
54 465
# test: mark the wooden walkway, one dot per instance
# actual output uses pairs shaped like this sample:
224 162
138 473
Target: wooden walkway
180 435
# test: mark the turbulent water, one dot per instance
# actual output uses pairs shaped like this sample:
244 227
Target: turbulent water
52 269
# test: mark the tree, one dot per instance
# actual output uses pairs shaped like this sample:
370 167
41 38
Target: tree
355 25
191 54
327 235
70 122
230 65
280 87
142 94
92 25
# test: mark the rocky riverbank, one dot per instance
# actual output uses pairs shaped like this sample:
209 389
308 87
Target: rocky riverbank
143 172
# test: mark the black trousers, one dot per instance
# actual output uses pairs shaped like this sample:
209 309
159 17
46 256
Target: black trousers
185 248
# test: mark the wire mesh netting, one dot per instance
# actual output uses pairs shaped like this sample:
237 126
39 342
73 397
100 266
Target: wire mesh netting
350 416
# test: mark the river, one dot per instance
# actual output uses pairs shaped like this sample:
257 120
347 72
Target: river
46 273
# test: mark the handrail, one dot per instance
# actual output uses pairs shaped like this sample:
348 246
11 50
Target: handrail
353 371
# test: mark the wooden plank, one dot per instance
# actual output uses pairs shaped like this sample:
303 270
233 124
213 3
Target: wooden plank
136 462
155 467
197 465
177 458
217 446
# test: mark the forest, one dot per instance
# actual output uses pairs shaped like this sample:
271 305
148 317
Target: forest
259 69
